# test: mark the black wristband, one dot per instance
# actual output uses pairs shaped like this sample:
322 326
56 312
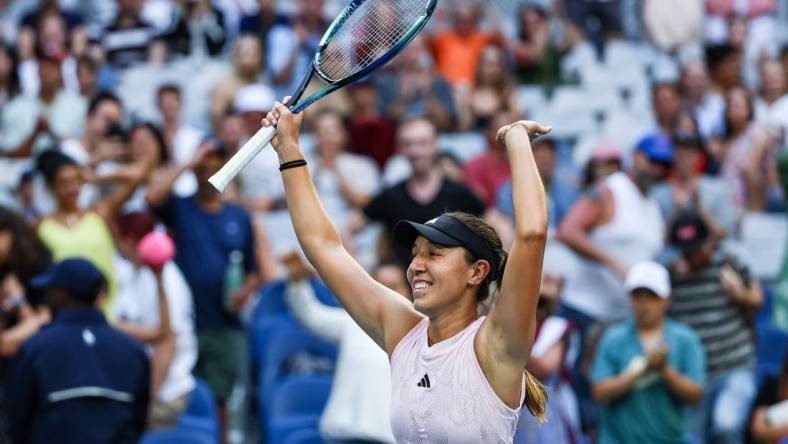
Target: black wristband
292 164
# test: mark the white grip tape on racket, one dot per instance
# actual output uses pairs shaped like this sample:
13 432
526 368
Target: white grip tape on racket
233 167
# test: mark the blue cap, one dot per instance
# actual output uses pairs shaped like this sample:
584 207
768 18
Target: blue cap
75 275
657 147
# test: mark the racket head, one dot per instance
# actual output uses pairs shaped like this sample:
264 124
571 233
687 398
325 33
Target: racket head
364 36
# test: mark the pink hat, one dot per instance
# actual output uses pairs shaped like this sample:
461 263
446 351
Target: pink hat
606 151
156 249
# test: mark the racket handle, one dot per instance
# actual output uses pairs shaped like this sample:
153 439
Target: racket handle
233 167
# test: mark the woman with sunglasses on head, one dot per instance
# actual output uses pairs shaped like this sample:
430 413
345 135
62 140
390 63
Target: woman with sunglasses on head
457 377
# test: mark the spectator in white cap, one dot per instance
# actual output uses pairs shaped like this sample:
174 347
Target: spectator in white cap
648 364
260 188
253 102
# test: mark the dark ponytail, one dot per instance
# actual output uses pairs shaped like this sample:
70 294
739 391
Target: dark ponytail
535 392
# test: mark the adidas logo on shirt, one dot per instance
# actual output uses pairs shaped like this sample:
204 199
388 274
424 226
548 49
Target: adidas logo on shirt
425 382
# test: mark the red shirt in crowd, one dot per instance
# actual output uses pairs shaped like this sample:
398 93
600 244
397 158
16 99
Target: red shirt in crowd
486 174
373 137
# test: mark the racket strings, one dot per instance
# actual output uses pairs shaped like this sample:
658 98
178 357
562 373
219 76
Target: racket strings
371 30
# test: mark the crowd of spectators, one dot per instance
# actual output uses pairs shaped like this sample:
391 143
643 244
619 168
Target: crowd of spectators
666 176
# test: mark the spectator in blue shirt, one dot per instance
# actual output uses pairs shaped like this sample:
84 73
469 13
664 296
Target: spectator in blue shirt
215 247
561 184
78 380
649 369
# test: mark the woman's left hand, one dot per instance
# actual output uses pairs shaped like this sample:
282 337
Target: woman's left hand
533 129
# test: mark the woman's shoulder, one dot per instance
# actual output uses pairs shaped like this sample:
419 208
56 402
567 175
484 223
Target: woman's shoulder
411 339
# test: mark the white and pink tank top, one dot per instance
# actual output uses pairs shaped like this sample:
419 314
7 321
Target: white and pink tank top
441 396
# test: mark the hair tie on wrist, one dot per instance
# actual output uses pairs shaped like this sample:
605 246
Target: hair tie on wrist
292 164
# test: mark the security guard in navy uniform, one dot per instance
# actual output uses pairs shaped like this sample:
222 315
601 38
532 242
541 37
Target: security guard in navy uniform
78 380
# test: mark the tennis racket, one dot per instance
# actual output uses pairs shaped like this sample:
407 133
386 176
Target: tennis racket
365 35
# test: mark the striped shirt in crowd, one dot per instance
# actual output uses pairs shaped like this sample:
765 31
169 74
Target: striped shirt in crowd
725 330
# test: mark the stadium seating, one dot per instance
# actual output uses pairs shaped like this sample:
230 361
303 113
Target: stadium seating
464 146
771 345
272 298
287 347
203 402
301 395
260 333
531 98
764 315
305 436
582 57
178 436
201 413
297 404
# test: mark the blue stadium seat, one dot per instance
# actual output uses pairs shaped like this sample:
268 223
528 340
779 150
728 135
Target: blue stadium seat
771 346
281 428
178 436
305 436
272 298
261 331
286 346
202 402
297 404
764 315
201 413
301 395
206 426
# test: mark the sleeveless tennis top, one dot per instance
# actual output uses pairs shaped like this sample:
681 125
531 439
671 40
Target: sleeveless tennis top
441 396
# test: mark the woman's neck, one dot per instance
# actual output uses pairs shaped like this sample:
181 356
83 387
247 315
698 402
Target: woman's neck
444 326
68 209
737 130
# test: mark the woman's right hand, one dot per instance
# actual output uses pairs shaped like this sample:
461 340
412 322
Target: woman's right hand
287 126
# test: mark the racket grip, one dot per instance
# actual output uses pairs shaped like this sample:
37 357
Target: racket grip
233 167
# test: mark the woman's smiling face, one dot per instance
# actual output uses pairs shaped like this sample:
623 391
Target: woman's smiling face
438 276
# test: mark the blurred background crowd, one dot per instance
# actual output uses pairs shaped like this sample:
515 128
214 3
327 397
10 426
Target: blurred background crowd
669 143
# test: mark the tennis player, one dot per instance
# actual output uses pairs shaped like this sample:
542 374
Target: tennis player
457 377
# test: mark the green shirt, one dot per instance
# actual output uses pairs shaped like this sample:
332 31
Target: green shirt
650 412
90 239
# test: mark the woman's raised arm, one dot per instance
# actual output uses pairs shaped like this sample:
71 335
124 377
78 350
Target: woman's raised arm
383 314
508 332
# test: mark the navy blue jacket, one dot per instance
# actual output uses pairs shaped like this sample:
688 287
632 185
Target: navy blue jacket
78 381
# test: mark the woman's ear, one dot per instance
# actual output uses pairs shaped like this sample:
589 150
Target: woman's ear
481 269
